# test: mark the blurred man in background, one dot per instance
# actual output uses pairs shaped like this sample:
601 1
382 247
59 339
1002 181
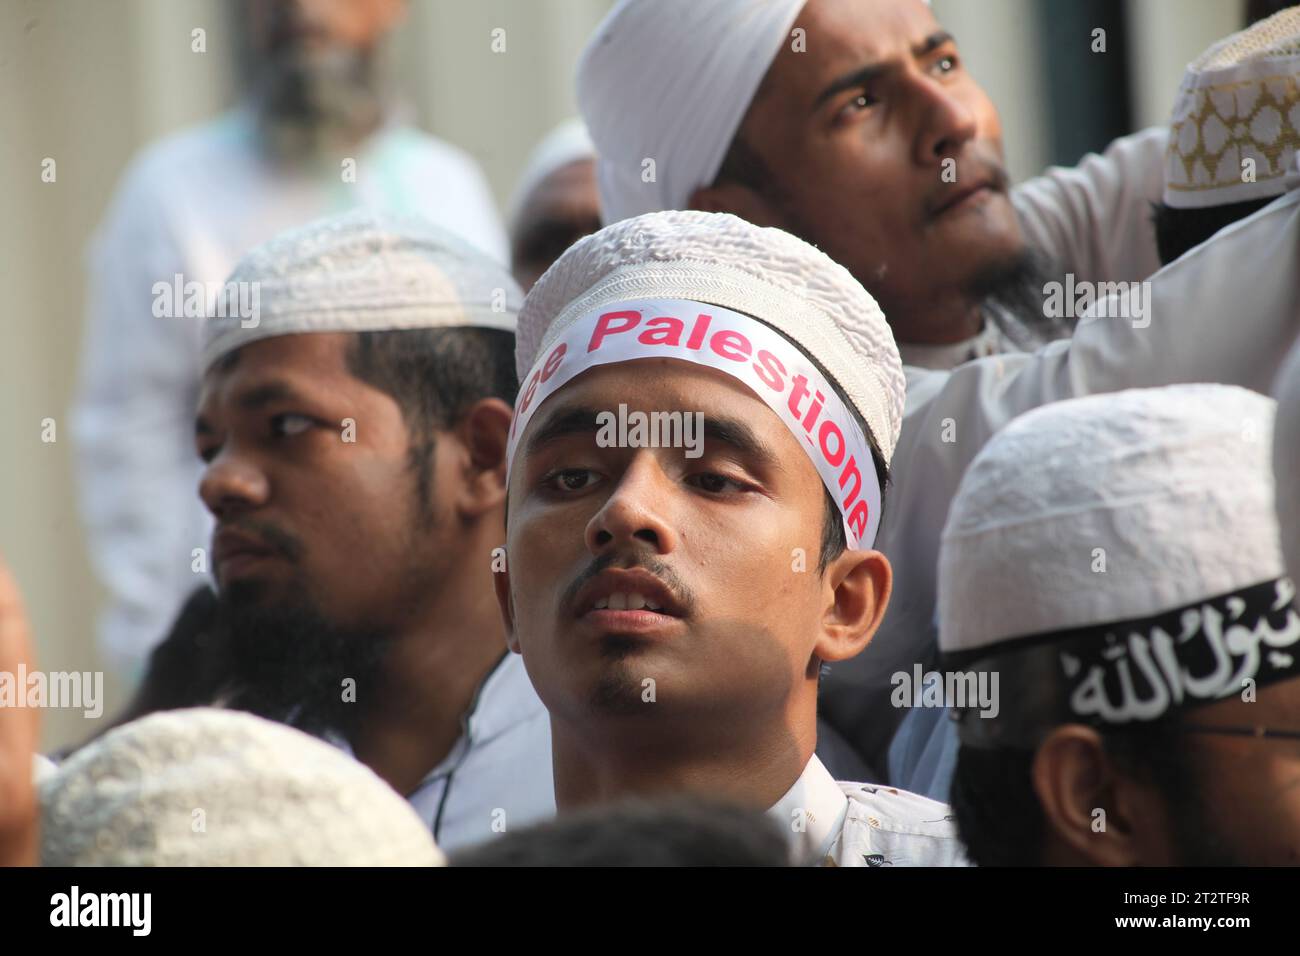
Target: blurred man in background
317 134
556 201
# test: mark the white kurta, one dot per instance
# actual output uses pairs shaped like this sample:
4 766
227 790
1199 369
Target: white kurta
192 204
834 823
1226 312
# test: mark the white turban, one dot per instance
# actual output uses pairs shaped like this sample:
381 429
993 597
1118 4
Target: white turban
566 143
1239 101
1109 508
1286 460
207 787
362 271
718 259
669 81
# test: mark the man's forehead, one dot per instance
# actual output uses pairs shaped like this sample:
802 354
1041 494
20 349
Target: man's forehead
845 34
300 360
658 385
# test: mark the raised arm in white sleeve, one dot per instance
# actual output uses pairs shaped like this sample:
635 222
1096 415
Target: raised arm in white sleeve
1226 312
1094 219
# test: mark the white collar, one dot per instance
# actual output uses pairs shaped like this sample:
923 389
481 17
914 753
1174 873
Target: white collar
812 812
944 357
504 698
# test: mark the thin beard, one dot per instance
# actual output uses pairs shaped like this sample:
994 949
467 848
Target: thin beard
1010 295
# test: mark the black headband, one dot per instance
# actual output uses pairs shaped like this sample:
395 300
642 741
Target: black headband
1130 673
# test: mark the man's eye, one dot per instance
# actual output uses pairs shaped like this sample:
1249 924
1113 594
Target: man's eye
714 483
946 64
207 454
290 424
569 479
863 101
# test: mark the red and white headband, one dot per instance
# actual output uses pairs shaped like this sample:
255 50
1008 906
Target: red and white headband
766 362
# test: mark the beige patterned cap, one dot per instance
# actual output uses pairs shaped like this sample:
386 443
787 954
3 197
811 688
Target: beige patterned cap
1235 126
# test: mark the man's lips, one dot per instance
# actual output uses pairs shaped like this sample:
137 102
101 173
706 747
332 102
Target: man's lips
627 600
959 198
233 551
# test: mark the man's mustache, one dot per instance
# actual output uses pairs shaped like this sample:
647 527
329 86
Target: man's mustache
681 593
265 533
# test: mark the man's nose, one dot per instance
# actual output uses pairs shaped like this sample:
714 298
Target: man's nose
231 483
637 510
947 121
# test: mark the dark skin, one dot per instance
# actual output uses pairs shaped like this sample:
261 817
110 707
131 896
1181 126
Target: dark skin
1251 785
301 511
857 133
736 648
560 210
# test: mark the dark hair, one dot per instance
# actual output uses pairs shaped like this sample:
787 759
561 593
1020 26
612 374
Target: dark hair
679 831
435 375
1178 230
1001 822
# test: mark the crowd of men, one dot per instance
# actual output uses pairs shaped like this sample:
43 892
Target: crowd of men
764 511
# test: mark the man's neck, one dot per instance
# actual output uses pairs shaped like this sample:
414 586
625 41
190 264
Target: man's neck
753 770
943 321
433 671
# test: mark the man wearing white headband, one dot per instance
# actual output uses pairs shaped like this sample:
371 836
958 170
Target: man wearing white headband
1234 133
354 430
854 125
701 441
1127 597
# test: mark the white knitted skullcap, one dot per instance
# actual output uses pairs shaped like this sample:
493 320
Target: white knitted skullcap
1240 100
207 787
718 259
362 271
1286 460
1109 508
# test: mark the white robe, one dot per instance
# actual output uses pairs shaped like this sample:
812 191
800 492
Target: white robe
1225 312
192 204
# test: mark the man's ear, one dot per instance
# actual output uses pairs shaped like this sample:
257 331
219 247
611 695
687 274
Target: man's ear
1092 811
501 587
858 584
738 200
483 432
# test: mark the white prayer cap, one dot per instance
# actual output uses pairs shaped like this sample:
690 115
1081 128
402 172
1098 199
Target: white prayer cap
566 143
1286 460
362 271
207 787
718 259
671 81
1106 509
1239 101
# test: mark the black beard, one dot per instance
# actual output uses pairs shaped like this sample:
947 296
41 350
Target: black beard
1011 296
288 663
